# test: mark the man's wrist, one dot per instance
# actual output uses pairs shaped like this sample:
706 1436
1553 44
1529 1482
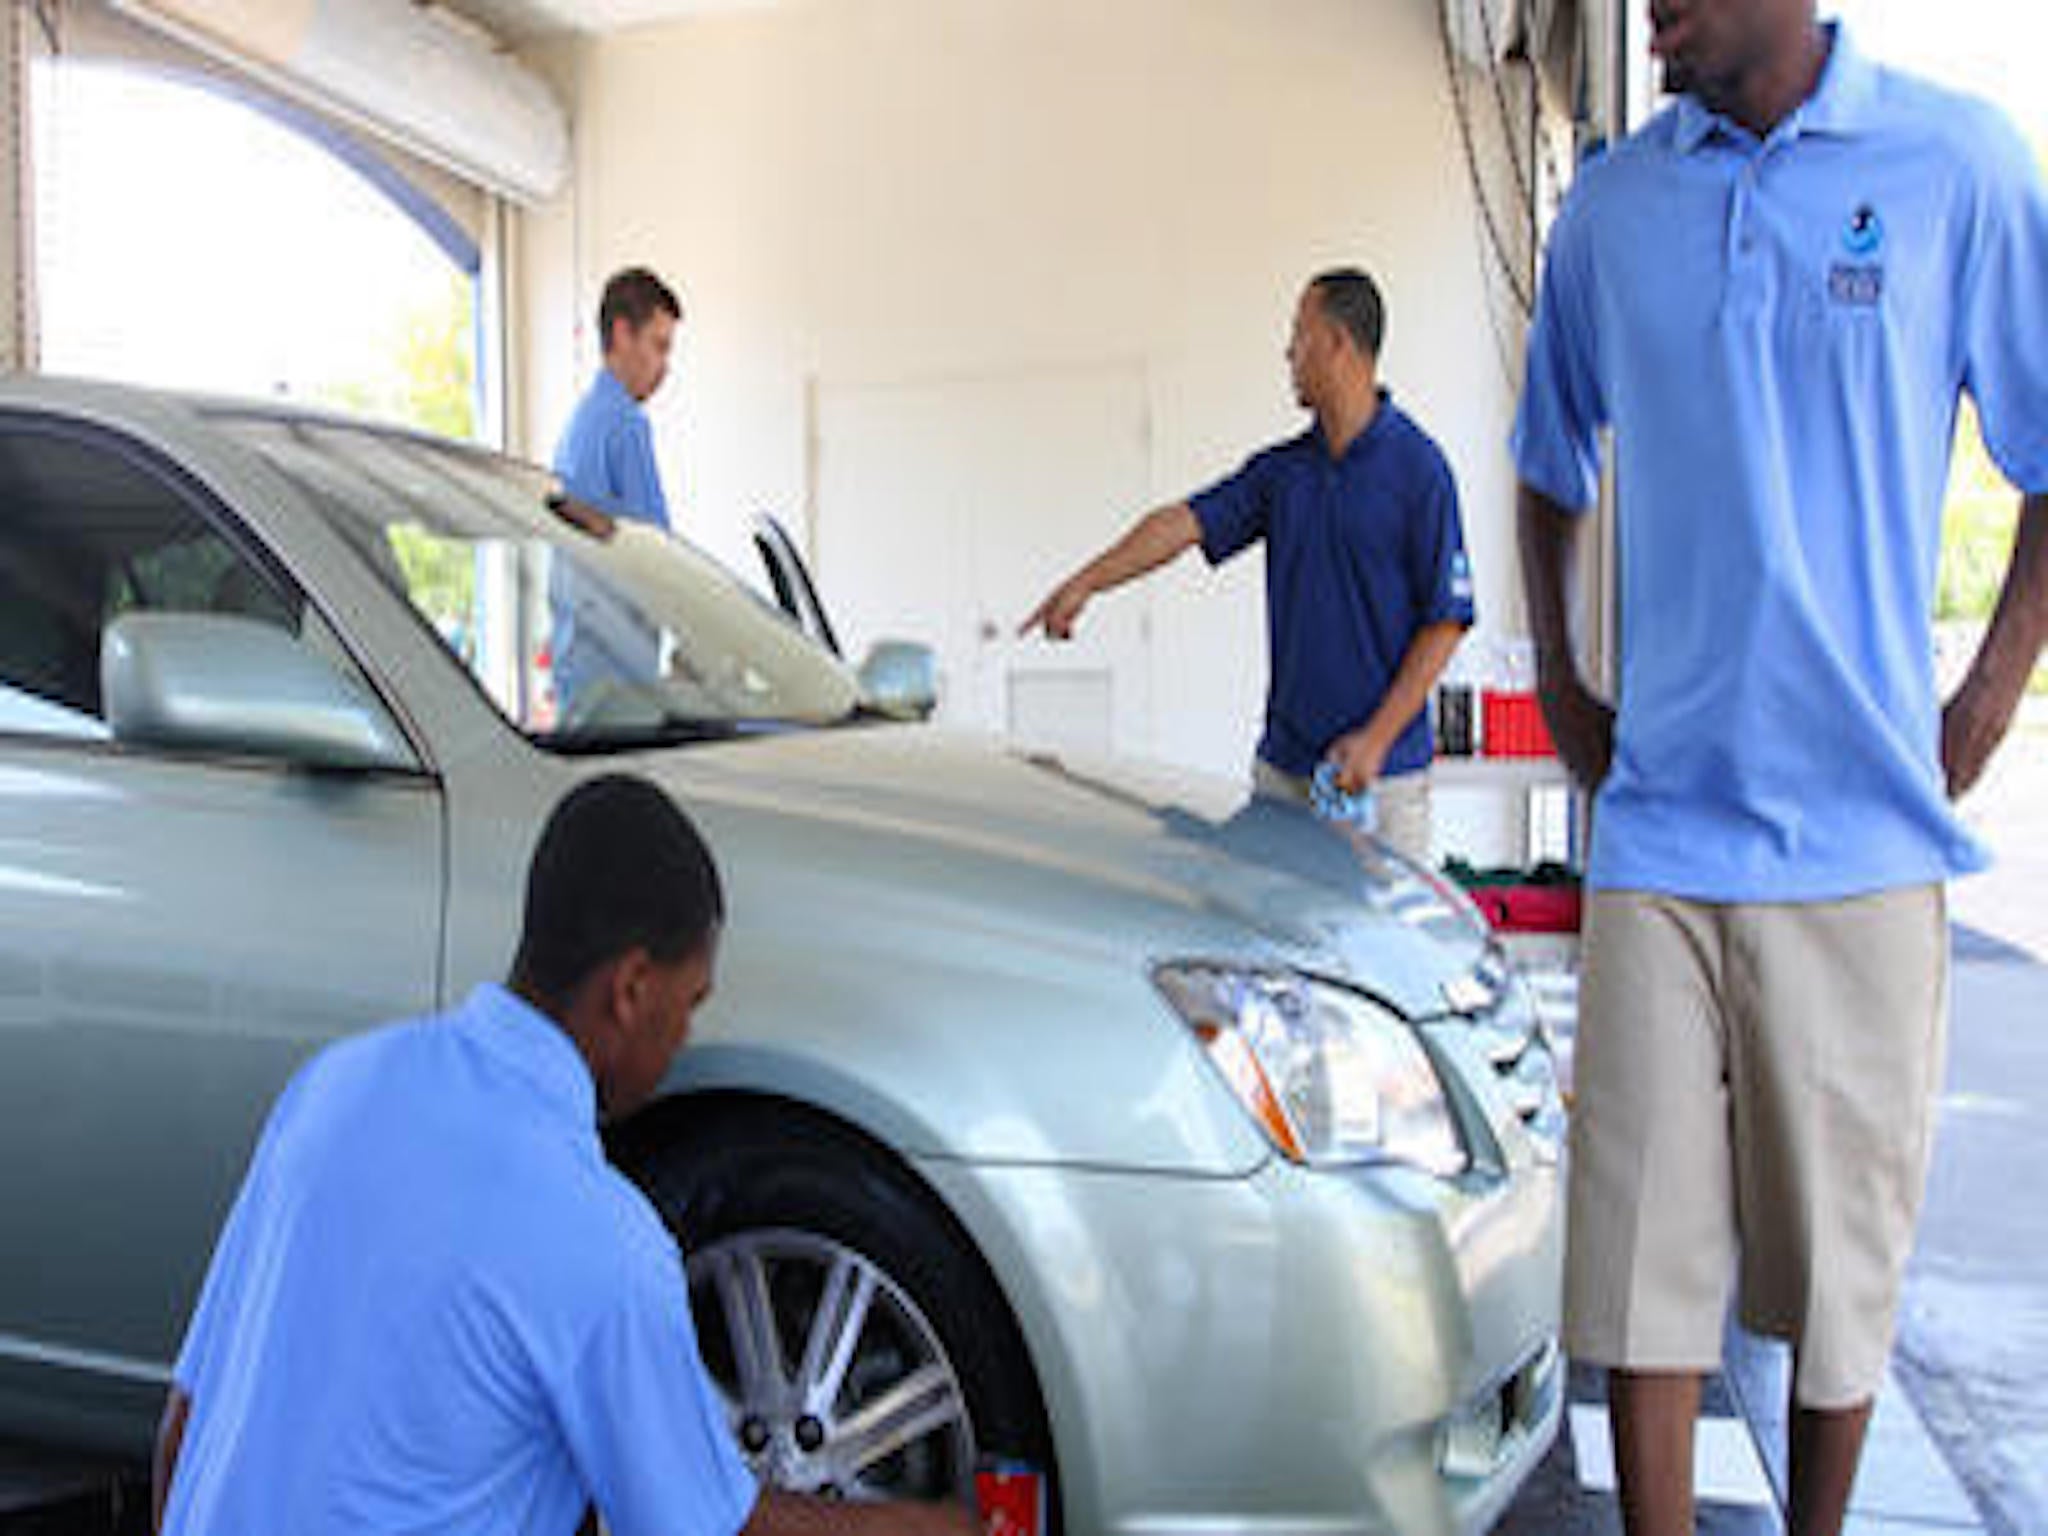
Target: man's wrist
1371 736
1990 690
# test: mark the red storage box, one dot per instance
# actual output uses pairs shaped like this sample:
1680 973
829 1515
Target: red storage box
1530 908
1511 725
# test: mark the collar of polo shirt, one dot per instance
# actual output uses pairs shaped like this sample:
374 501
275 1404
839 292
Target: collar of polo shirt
1843 103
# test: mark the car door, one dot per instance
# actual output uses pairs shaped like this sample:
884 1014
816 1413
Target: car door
179 929
791 578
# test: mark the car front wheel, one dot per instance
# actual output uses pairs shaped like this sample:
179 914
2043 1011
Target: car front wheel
861 1346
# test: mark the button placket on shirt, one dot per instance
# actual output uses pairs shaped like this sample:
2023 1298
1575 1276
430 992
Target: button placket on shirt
1748 285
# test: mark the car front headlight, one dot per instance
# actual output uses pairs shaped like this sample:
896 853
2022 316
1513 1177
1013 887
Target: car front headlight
1333 1078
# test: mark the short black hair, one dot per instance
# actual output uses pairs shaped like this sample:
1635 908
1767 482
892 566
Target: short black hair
618 867
1353 300
633 295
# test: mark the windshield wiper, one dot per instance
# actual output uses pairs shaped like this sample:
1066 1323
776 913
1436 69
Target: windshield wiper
670 731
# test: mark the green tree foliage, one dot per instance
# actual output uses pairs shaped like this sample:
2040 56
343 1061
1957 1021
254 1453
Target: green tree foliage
1977 528
428 376
428 382
436 359
1979 524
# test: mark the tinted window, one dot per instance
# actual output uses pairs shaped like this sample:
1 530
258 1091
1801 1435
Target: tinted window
88 533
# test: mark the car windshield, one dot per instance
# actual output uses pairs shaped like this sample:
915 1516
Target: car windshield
585 630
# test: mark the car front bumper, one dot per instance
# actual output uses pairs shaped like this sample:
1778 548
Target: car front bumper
1295 1351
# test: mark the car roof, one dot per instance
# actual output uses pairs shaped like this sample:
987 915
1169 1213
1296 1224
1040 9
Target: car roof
156 411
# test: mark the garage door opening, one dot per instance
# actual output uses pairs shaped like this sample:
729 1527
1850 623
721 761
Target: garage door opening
191 238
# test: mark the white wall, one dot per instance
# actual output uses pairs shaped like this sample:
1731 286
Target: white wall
868 193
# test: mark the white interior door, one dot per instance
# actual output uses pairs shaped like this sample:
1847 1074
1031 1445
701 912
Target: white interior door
946 509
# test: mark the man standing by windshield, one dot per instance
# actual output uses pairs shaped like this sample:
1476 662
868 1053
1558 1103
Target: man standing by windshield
1368 590
606 460
1774 295
436 1306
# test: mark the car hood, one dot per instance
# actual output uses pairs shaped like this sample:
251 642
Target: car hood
1262 879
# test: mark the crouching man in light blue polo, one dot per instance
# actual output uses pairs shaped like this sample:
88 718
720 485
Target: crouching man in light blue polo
436 1307
1775 295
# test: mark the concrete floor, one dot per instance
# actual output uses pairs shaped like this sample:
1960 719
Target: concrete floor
1960 1441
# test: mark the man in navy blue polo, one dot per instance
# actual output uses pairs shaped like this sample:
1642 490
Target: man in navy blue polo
1774 294
606 459
1368 588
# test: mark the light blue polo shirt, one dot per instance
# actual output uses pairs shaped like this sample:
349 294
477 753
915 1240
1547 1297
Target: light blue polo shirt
436 1307
606 453
605 458
1778 333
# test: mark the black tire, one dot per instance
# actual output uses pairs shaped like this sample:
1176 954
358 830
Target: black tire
745 1182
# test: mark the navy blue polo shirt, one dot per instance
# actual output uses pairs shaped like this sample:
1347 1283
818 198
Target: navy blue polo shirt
1362 551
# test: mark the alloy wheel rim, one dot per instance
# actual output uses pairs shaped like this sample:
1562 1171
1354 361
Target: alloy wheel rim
834 1380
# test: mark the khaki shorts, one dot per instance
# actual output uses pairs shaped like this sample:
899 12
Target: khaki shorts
1400 805
1755 1089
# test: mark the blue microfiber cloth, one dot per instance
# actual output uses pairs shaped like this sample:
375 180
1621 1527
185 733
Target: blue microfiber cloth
1333 804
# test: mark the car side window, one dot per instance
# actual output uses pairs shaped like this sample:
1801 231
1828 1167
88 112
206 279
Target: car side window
88 532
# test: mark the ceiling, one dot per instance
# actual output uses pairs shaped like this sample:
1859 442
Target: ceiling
515 21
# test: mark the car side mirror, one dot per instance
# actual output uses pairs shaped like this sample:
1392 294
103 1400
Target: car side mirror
218 683
900 678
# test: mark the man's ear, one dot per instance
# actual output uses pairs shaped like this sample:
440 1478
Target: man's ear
630 975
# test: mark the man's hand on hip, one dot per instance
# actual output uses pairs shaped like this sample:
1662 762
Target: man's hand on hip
1977 718
1972 726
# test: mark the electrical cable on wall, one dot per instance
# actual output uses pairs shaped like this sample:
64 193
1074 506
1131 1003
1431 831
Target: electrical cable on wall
1505 351
1491 218
1508 227
1497 79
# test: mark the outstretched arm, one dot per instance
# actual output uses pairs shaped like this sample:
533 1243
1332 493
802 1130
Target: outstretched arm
1151 542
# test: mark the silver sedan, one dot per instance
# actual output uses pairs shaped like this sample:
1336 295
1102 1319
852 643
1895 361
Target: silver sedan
1168 1152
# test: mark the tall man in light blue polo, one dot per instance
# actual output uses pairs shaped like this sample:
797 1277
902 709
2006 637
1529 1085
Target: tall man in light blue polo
1368 588
1775 295
606 459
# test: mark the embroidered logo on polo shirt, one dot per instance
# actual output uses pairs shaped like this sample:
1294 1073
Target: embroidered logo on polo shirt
1863 235
1858 286
1461 578
1858 283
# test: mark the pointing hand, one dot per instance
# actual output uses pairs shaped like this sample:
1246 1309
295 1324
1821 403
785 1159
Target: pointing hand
1056 615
